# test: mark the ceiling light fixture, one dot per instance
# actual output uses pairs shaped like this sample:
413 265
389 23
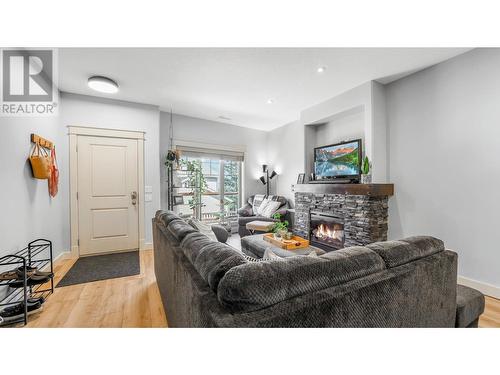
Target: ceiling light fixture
270 101
321 69
103 84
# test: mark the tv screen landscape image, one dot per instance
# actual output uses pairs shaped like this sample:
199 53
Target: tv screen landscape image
340 160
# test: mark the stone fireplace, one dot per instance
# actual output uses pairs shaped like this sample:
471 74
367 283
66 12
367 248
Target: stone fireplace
351 214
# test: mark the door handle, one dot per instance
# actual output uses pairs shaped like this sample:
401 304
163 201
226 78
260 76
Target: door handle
133 195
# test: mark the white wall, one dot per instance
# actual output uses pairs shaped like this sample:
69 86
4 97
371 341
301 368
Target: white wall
347 116
28 212
344 128
444 138
216 133
286 153
79 110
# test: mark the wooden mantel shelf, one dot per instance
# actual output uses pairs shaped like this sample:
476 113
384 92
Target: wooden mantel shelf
375 190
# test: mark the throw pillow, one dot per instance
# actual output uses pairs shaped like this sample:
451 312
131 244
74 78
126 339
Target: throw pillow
270 209
262 206
258 260
257 200
270 255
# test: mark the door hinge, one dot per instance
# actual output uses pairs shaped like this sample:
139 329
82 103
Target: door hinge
76 195
78 242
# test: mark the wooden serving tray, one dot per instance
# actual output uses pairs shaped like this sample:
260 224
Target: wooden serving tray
295 243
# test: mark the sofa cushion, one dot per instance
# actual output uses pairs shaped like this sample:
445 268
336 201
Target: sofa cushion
193 244
166 217
253 286
211 259
470 304
202 228
179 229
396 253
215 260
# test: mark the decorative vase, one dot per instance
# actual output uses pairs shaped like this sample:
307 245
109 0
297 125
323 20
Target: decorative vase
366 178
277 235
288 235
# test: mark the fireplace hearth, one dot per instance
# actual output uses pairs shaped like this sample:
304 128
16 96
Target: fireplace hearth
326 231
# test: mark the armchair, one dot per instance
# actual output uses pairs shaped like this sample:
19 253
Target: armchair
247 213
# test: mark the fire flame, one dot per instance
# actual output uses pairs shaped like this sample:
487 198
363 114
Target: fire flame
325 232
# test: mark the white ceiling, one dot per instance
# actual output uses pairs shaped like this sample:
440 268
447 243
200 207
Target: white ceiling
236 83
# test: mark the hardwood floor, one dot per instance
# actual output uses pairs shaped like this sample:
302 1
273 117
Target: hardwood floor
491 316
134 301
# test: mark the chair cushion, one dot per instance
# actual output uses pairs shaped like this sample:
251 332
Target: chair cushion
470 304
396 253
254 286
243 221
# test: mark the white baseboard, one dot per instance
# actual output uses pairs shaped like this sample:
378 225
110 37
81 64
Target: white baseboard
487 289
61 256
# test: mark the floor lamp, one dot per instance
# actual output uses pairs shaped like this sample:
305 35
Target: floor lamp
266 180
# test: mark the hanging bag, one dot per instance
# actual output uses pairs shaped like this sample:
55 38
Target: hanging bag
54 174
40 162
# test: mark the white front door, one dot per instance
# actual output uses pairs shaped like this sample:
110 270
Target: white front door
107 194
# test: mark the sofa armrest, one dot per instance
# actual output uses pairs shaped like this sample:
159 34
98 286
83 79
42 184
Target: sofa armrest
246 210
282 211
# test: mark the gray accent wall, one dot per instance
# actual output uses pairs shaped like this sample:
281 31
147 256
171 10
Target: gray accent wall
444 136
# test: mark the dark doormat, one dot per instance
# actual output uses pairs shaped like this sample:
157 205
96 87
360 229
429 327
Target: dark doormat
102 267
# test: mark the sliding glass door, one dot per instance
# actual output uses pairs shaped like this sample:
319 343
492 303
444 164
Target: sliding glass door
221 195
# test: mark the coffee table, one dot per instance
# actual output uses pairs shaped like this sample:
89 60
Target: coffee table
255 246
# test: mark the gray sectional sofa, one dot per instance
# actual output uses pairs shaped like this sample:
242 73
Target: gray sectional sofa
407 283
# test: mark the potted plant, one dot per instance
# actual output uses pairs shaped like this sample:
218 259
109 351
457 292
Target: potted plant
366 166
280 228
196 182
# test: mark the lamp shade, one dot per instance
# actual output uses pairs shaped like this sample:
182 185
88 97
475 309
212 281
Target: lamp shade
273 174
264 168
263 180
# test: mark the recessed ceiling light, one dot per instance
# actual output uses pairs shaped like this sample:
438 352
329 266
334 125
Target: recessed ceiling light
321 69
103 84
270 101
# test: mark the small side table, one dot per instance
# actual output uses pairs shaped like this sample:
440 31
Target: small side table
260 226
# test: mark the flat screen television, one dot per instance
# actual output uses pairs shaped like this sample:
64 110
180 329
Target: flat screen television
338 161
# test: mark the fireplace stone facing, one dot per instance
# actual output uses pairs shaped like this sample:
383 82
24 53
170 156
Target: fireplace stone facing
364 217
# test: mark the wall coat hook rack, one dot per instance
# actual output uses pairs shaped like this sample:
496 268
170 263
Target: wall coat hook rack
42 142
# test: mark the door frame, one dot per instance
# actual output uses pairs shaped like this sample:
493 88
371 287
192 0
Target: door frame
80 131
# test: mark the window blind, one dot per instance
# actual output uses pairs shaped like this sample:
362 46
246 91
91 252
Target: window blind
210 153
